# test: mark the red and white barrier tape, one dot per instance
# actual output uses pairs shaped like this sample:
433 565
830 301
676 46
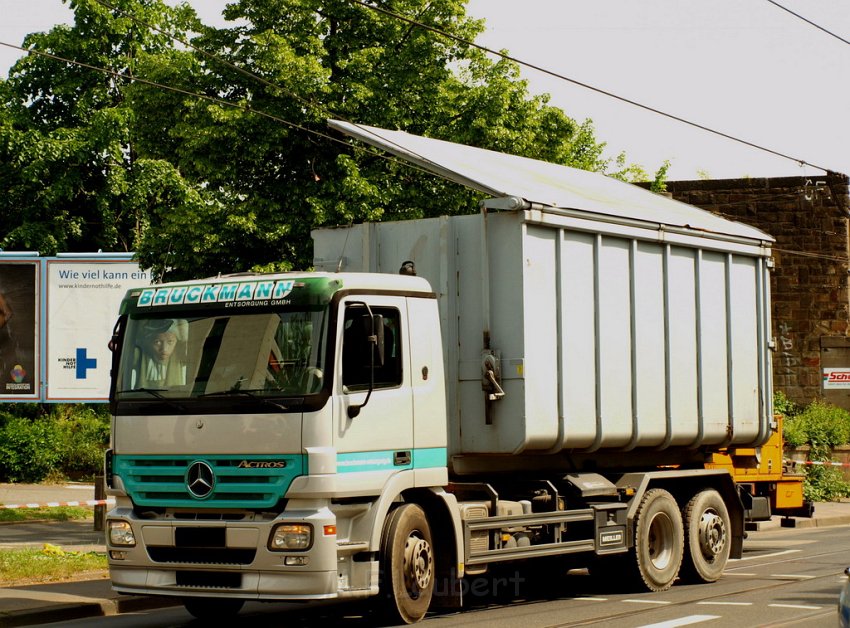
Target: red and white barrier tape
819 462
89 502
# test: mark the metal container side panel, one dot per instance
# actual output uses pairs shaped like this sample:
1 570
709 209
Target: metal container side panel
607 340
682 347
712 369
613 344
647 337
746 406
578 341
526 323
382 248
506 431
341 249
615 348
650 394
424 242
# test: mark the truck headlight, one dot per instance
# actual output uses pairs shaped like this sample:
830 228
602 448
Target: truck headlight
120 533
291 536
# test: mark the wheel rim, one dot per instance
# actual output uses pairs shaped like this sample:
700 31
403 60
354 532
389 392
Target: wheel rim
712 534
660 541
418 565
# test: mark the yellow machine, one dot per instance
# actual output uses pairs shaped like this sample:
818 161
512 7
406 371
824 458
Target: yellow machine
763 473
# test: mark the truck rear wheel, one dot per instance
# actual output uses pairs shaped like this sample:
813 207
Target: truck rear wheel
707 545
659 540
212 607
407 561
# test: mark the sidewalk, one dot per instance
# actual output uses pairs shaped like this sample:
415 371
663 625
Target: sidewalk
36 604
28 605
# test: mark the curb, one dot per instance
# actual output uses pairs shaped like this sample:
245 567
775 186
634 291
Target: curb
136 603
81 610
55 613
798 523
823 522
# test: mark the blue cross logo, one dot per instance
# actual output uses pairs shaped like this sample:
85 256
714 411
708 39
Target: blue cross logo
84 363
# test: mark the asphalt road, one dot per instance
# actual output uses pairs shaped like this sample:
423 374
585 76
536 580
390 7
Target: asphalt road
787 577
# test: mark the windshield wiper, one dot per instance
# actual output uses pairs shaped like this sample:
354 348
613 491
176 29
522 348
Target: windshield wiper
252 394
155 392
152 391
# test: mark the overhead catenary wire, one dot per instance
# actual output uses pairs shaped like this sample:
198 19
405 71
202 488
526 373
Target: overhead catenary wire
419 24
808 21
249 109
252 75
390 158
137 79
320 107
597 90
219 101
217 58
830 258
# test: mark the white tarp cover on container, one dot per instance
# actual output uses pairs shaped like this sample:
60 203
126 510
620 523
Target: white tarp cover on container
553 185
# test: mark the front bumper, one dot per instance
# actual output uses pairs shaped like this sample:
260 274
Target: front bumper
254 585
227 558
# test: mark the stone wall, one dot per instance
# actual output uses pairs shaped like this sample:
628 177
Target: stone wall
809 219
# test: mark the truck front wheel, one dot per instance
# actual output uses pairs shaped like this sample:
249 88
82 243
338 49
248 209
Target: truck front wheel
659 540
407 561
707 545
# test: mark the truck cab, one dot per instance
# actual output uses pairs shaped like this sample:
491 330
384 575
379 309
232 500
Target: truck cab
259 458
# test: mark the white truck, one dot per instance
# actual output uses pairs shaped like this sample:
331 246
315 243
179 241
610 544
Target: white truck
571 379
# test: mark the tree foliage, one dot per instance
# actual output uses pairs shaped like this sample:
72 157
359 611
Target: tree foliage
231 167
70 177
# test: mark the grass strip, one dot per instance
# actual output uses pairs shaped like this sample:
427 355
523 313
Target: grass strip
49 564
57 513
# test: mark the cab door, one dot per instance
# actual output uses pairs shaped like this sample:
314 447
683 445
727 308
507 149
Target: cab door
374 429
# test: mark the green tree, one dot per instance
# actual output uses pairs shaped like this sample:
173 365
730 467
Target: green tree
231 168
311 60
70 175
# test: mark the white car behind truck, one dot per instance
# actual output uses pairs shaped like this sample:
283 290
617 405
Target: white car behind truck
561 381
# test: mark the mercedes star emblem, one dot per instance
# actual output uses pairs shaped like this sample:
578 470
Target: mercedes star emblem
200 479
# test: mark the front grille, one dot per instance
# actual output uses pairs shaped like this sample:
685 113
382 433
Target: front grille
202 555
161 481
209 516
209 580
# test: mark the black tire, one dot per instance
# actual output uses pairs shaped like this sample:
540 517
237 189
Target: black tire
707 541
213 607
408 569
659 541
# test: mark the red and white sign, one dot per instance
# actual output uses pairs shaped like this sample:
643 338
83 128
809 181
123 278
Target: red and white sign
836 378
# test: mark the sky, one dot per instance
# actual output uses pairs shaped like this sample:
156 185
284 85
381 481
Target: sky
744 68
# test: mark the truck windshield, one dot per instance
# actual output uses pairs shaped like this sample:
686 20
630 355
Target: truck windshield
271 353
